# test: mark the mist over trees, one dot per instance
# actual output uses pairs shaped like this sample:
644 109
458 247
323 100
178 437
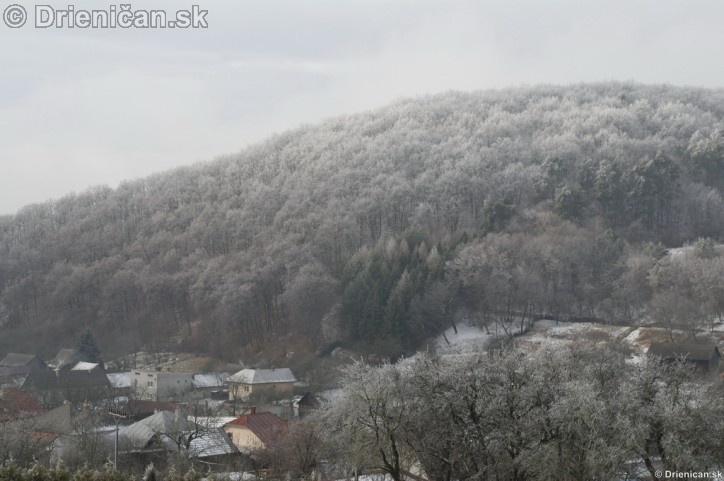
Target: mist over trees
505 204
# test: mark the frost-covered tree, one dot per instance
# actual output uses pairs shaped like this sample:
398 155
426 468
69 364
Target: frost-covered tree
581 413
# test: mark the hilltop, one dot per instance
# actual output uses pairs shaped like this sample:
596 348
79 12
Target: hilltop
377 229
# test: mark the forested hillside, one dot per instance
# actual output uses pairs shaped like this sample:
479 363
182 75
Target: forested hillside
384 226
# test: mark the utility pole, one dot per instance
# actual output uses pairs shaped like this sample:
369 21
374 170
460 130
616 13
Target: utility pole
118 417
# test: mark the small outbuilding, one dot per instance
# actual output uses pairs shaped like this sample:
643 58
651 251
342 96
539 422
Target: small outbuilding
705 357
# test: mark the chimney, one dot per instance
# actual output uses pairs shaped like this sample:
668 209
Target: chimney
252 410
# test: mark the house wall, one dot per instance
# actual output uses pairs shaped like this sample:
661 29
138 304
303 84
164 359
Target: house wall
159 385
243 438
171 385
243 391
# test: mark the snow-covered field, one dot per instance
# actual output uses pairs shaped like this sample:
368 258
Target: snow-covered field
551 333
547 334
467 339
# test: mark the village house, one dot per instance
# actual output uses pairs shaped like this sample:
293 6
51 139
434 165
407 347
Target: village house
84 381
167 431
255 431
15 364
211 384
271 382
705 357
120 383
160 385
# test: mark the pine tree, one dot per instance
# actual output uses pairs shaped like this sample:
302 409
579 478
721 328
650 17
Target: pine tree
88 349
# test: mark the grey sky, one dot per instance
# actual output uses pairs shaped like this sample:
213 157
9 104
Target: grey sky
88 107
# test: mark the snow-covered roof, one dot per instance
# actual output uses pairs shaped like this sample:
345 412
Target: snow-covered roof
85 366
210 379
138 434
119 379
214 421
211 441
215 442
263 376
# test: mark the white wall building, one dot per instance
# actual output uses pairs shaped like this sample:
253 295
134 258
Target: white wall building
160 385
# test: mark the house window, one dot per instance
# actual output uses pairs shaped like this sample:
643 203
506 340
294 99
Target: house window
246 388
150 383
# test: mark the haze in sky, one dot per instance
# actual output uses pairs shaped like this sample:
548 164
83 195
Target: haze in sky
82 107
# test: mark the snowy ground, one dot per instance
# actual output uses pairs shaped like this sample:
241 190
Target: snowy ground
547 334
551 334
236 476
677 251
467 339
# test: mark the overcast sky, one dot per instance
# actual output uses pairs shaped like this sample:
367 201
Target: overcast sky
87 107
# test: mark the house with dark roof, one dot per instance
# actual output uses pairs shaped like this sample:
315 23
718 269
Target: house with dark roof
141 408
18 364
272 382
84 381
705 357
255 431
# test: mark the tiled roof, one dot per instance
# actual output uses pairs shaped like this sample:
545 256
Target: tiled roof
263 376
56 421
266 426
